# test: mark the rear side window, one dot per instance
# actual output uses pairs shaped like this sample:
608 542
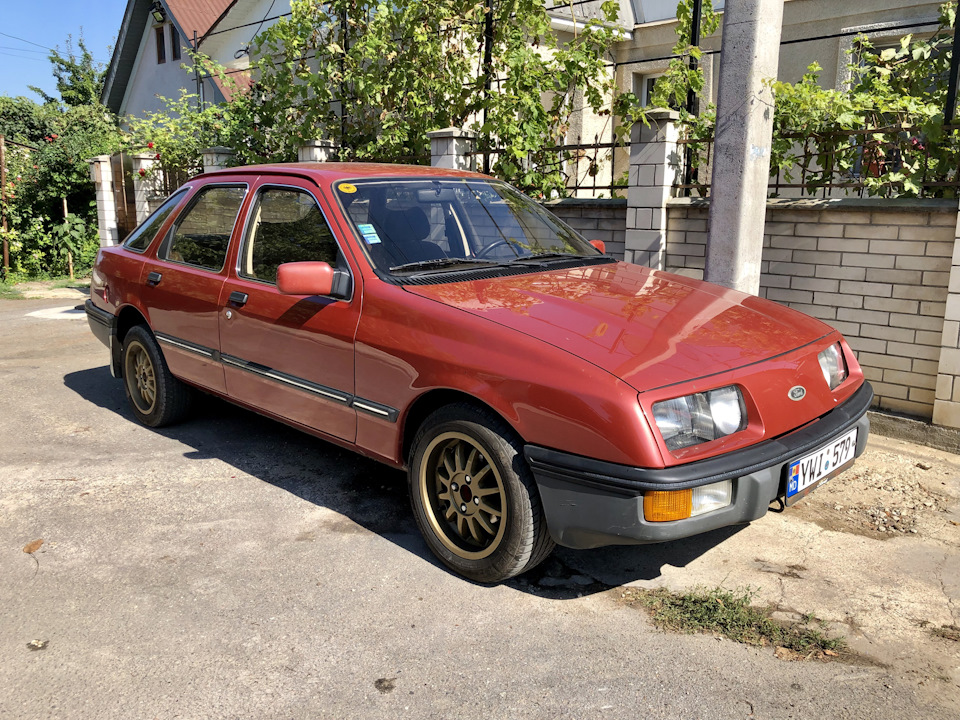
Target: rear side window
286 226
202 234
141 238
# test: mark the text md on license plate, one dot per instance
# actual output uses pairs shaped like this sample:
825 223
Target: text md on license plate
805 472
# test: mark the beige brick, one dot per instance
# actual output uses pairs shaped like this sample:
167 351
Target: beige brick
696 238
778 228
927 367
687 249
937 279
888 218
896 247
914 351
883 232
927 337
907 307
902 277
838 300
922 395
804 283
910 379
793 215
868 260
859 315
940 249
946 218
849 330
832 244
933 309
862 344
933 294
816 257
883 389
818 230
947 414
696 262
766 241
956 391
841 273
821 312
872 374
777 255
950 361
789 296
696 225
793 243
951 334
907 407
892 335
912 262
935 233
788 268
944 387
776 281
852 287
887 362
918 322
846 217
953 285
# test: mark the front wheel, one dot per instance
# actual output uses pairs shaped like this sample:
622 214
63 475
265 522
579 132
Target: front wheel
473 496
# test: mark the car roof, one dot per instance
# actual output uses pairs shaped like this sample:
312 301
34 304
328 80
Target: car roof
333 171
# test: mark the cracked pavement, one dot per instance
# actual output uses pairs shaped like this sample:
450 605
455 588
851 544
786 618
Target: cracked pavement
232 567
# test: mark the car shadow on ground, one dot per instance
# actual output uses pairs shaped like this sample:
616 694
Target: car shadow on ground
373 495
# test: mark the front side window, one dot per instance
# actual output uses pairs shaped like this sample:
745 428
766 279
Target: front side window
286 226
411 224
202 235
141 238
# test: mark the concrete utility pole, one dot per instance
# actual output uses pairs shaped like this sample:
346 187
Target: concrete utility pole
750 55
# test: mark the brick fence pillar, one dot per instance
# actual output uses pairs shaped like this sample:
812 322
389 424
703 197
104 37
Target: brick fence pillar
946 406
101 173
449 148
317 151
147 187
655 164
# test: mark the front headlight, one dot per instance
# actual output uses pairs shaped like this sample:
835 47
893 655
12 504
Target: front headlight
833 366
701 417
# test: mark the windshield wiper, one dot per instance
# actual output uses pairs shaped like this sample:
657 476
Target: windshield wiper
439 263
552 256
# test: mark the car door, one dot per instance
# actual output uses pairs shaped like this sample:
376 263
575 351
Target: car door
182 284
291 356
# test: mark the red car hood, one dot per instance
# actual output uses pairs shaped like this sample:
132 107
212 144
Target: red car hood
648 328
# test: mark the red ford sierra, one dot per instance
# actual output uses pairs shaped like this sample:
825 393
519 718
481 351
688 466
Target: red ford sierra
536 390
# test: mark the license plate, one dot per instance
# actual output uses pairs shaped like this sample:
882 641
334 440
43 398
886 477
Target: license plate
819 466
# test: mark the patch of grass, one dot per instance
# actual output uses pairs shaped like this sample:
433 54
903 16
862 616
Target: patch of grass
730 614
8 291
947 632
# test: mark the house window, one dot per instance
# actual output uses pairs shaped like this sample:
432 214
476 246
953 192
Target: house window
643 86
161 45
174 43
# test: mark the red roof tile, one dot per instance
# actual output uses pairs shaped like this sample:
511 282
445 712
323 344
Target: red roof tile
199 15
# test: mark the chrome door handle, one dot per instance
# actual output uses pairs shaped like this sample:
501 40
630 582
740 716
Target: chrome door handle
154 278
238 298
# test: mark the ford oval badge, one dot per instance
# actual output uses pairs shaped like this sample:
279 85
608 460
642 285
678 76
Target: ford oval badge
797 392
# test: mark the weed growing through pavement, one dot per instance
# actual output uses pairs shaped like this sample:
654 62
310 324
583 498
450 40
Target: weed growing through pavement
729 614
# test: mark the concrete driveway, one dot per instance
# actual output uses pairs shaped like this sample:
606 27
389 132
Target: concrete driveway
231 567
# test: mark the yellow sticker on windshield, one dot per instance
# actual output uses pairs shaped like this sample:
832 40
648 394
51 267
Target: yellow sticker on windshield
347 188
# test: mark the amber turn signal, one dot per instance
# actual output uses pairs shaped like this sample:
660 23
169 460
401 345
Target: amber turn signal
665 505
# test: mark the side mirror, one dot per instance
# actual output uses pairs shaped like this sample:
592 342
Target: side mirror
305 278
599 245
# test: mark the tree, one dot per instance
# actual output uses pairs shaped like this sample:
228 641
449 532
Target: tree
79 78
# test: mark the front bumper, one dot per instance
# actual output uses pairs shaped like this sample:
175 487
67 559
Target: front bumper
590 503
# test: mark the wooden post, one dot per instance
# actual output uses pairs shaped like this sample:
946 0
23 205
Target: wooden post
69 252
3 204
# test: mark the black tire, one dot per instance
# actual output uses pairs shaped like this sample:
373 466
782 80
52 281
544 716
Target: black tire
156 396
473 496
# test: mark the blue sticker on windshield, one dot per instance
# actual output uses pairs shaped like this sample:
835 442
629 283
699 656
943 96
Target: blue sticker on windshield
369 233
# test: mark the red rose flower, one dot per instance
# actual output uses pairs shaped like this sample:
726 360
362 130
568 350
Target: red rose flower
150 145
142 172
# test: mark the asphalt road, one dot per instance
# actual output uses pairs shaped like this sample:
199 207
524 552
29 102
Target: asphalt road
231 567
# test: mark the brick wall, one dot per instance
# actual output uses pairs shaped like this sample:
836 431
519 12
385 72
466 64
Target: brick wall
876 270
596 219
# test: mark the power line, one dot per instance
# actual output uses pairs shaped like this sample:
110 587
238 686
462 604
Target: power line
29 42
20 49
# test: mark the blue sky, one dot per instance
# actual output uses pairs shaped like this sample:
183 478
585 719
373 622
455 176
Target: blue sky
47 23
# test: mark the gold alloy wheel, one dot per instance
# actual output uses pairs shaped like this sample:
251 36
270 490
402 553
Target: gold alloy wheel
141 377
463 496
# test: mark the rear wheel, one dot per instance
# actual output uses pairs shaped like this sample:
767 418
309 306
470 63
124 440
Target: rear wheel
156 396
473 496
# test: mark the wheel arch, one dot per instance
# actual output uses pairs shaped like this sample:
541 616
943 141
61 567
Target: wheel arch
128 317
431 401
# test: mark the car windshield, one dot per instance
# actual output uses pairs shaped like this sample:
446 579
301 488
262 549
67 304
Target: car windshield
439 225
